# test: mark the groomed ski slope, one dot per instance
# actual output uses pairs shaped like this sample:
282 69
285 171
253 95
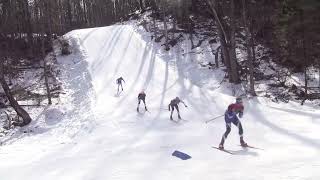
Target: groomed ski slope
103 137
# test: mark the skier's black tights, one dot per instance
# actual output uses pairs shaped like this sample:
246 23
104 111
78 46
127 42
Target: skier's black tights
120 84
228 130
172 109
143 100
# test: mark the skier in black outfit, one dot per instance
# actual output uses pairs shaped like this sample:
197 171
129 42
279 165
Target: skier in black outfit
174 104
142 97
119 82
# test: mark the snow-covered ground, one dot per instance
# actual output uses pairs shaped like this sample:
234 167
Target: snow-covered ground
96 134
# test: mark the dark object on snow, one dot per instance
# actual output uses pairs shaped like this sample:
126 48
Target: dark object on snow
181 155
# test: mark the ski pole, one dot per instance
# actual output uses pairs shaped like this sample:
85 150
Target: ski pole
214 118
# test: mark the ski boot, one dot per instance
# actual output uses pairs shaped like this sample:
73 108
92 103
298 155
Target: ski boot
146 108
179 116
242 143
221 143
221 146
137 109
171 118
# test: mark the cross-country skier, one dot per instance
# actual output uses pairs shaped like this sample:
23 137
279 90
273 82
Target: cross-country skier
142 97
174 104
231 117
119 82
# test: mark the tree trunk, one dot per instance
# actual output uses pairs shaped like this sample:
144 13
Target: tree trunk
8 125
153 5
28 28
216 56
319 72
253 47
85 17
191 32
155 28
45 72
141 5
223 38
69 15
249 52
165 31
224 51
228 47
15 105
44 53
232 49
216 17
305 57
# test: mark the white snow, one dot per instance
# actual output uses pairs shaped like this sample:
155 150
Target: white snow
94 134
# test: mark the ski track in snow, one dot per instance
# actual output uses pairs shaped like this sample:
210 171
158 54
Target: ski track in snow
93 134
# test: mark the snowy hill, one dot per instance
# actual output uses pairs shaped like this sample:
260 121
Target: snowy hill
96 134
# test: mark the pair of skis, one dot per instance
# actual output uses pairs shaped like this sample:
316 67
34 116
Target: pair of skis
229 152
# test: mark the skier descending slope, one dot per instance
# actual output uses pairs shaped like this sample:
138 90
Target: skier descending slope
142 97
119 82
174 104
231 117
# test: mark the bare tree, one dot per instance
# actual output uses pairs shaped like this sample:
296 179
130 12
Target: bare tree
232 50
165 31
163 10
227 42
249 52
305 56
15 105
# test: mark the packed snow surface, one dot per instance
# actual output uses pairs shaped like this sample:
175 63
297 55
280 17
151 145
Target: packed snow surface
96 134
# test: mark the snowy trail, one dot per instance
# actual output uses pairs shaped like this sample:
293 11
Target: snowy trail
110 140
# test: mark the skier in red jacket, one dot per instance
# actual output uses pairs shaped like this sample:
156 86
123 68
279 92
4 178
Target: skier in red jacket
231 118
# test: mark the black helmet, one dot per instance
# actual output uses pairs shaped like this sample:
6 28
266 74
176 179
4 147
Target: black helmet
238 100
